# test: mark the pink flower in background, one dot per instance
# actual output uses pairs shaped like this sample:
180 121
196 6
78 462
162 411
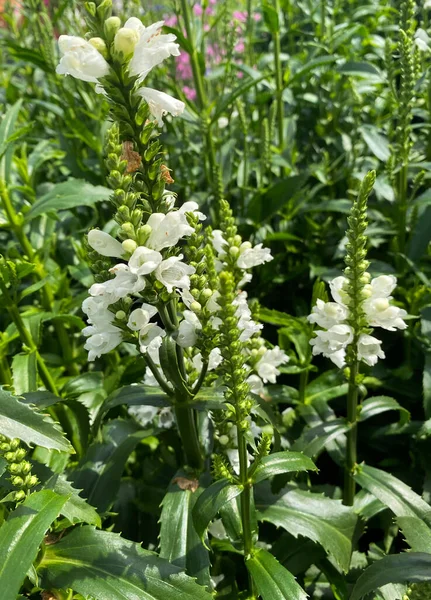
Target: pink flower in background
189 93
171 21
240 47
198 10
240 16
257 17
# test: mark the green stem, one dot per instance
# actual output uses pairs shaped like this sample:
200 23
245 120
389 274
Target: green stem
279 79
201 379
155 371
186 424
402 207
352 436
250 32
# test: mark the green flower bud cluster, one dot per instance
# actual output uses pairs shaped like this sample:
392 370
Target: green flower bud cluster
210 260
419 591
237 394
19 468
356 263
222 469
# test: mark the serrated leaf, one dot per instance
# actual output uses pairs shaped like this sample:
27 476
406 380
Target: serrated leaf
108 567
315 439
76 509
416 532
282 462
69 194
99 472
210 502
413 567
395 494
314 516
179 542
380 404
18 420
21 536
272 580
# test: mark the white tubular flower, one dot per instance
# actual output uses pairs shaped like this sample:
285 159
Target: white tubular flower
160 104
338 287
219 242
148 334
124 284
125 40
246 325
214 360
381 314
332 343
252 257
174 274
141 316
149 378
105 244
166 418
327 314
102 338
152 47
192 207
267 366
80 59
188 330
256 384
383 286
143 414
422 40
94 307
369 350
144 261
167 230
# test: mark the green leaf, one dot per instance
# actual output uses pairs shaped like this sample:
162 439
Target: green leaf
376 142
179 542
395 494
21 536
18 420
69 194
380 404
360 69
227 100
270 16
420 236
413 567
315 439
99 472
76 509
416 532
7 126
313 516
282 462
132 395
327 386
272 580
264 206
108 567
24 369
210 502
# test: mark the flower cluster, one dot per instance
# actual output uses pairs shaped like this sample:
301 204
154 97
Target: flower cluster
333 317
137 47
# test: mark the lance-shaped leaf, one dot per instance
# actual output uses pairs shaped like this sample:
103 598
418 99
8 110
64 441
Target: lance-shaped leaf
210 502
21 536
314 516
272 580
416 532
19 420
282 462
99 472
179 542
413 567
395 494
315 439
107 567
380 404
76 509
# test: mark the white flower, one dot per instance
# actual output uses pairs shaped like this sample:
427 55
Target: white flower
160 104
219 242
383 286
332 343
267 366
166 418
188 330
144 261
174 273
327 314
102 338
122 285
338 292
246 325
252 257
256 384
192 207
93 307
422 40
105 244
152 47
381 314
125 40
427 4
80 59
148 334
149 378
143 414
369 350
167 230
214 360
141 316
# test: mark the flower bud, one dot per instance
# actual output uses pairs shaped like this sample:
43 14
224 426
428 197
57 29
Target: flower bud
31 480
100 46
17 481
129 246
224 440
237 239
195 306
20 495
143 233
125 41
128 228
234 251
111 26
120 315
